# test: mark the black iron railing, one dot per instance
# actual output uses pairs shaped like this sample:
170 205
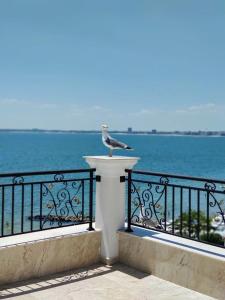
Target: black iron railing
35 201
190 207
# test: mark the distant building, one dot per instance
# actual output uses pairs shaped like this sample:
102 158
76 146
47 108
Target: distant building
154 131
129 130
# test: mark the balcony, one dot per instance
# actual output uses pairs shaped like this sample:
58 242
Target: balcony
110 233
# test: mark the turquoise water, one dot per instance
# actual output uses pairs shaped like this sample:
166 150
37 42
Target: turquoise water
194 156
19 152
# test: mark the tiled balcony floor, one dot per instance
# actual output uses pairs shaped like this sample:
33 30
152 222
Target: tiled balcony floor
99 282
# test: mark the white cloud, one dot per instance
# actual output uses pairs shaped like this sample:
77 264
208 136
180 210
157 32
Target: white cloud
73 108
207 107
12 101
97 107
43 114
201 107
48 105
144 112
180 111
21 102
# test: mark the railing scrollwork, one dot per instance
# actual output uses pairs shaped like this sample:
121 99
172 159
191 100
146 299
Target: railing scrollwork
33 201
186 206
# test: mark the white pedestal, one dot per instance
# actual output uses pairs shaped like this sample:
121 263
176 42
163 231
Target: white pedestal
110 200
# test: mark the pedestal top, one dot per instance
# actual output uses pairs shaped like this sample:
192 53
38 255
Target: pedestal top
115 157
114 165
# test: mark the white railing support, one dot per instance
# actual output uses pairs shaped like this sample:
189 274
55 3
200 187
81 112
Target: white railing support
110 200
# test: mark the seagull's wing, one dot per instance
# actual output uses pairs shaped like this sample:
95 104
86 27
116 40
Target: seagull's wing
116 144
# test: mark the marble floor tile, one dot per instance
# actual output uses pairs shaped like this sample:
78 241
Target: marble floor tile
100 282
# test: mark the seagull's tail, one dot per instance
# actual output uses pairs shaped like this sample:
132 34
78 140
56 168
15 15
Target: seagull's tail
129 148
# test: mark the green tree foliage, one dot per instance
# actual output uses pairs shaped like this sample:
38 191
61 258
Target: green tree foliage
190 224
214 238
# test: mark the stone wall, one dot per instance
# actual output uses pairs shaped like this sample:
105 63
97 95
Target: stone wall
47 256
186 266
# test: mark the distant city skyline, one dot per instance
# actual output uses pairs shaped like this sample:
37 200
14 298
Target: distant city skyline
142 64
128 131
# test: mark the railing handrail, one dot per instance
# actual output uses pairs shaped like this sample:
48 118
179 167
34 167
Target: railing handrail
175 176
47 172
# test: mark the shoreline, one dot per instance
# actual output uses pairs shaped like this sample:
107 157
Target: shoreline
164 134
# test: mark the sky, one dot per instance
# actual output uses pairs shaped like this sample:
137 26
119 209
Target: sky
148 64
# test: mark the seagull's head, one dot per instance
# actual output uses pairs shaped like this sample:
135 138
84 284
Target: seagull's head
105 127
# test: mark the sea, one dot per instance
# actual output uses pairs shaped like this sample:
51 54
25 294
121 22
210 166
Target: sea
27 152
192 156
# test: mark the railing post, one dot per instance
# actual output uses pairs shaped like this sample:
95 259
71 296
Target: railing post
41 205
129 182
90 228
3 210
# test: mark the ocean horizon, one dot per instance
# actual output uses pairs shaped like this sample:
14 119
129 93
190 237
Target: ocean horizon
188 155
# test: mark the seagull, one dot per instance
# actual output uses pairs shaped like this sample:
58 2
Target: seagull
111 143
